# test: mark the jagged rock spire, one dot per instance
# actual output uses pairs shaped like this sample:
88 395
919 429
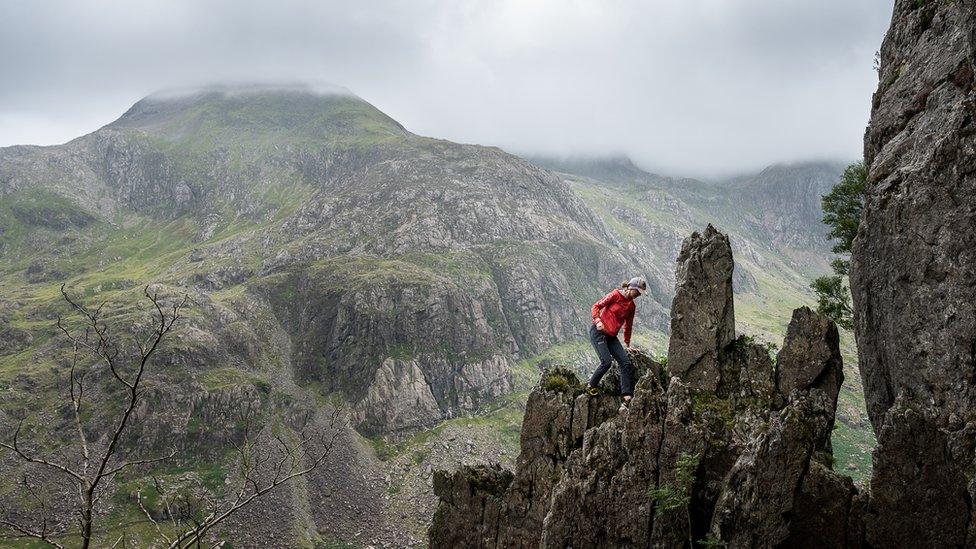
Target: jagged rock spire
810 356
702 316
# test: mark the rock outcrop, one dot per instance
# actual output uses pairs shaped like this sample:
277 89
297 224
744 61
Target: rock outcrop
734 456
913 278
702 318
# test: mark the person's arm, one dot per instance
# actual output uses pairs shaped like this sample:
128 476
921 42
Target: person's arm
629 327
600 305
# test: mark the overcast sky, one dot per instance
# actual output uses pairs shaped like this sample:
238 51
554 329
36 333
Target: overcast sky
685 87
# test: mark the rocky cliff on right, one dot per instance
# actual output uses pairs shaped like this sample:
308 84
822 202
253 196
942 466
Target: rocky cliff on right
913 278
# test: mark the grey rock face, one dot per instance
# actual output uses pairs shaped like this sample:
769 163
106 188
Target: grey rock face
466 490
825 512
595 500
810 355
760 492
913 271
408 351
398 395
702 317
742 462
556 416
918 489
913 278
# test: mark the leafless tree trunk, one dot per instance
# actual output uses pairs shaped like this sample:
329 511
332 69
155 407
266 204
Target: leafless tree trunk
101 462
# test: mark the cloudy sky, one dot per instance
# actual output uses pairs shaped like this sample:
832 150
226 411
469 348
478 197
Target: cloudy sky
690 87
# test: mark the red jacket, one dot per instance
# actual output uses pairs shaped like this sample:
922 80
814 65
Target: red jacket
615 310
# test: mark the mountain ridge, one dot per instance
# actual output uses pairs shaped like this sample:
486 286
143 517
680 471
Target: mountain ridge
411 280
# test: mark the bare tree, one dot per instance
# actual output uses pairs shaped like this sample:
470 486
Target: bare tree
261 469
265 460
100 461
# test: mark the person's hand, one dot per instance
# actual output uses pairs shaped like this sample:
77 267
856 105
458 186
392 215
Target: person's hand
633 349
599 325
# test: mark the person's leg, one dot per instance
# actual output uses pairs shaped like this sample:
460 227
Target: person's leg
626 366
599 341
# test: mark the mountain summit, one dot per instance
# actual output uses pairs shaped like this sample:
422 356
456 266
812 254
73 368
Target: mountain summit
247 113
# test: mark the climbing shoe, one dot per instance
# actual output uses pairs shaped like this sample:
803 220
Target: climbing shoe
592 391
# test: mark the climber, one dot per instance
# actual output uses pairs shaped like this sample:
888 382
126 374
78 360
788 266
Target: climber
616 309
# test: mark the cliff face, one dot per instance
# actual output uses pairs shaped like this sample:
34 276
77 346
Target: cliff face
722 443
913 277
913 267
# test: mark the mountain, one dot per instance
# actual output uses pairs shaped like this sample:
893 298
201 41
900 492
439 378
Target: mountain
777 209
334 259
442 263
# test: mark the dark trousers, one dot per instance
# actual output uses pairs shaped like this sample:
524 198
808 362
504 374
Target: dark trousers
609 348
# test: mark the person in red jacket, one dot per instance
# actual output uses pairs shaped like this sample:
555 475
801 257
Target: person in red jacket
616 310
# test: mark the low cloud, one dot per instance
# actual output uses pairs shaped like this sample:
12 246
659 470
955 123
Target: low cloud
698 87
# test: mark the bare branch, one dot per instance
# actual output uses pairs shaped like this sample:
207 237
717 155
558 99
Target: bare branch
25 532
251 488
152 520
145 461
120 540
77 393
14 446
98 340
